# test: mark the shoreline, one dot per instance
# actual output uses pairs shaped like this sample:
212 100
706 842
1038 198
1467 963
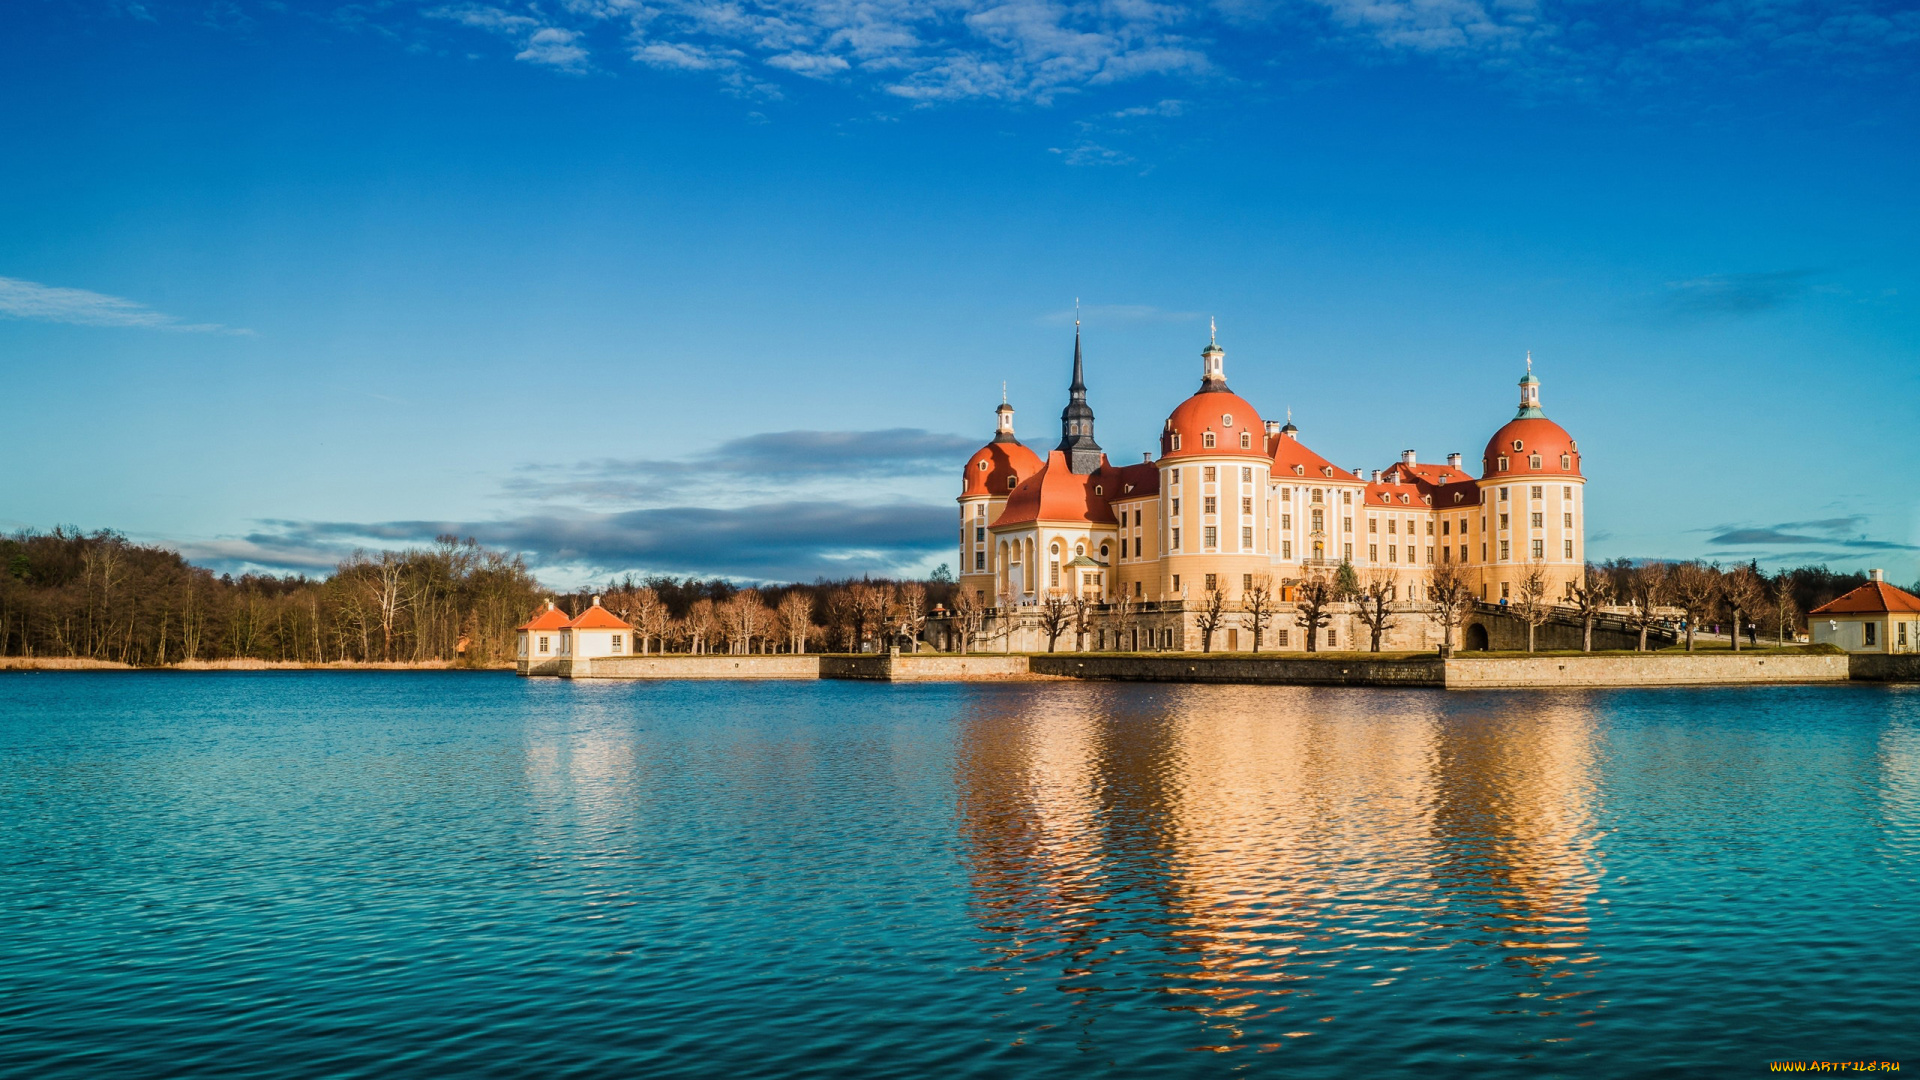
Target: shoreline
72 663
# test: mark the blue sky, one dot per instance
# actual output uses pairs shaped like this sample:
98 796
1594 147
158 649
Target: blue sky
728 287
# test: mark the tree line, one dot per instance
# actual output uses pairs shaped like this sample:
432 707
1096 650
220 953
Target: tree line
695 615
100 596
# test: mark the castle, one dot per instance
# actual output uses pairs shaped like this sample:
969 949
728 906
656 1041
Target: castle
1235 502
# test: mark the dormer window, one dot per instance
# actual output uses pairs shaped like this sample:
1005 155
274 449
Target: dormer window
1012 482
1206 440
1096 490
1428 499
1246 440
1459 497
1299 470
1503 463
1533 462
983 465
1384 497
1226 420
1176 442
1517 446
1566 461
1404 500
1326 470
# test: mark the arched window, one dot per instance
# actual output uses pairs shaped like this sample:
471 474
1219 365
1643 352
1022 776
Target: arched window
1533 462
1246 440
1012 482
1206 440
1503 463
1566 461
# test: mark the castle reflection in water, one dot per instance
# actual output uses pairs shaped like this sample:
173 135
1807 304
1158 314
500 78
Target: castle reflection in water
1267 858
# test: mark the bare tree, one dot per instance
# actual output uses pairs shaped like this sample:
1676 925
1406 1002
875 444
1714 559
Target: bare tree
1744 594
871 603
1784 609
1211 616
1375 595
1055 613
1647 586
1695 587
843 619
1257 601
650 617
968 617
1082 607
1125 616
1451 600
699 625
911 609
796 616
1311 599
1531 601
1589 595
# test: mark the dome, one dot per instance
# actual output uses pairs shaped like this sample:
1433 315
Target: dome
1057 493
996 468
1522 442
1222 413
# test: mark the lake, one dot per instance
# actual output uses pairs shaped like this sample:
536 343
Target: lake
382 874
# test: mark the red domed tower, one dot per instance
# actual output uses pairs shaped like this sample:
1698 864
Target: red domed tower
991 474
1213 483
1532 494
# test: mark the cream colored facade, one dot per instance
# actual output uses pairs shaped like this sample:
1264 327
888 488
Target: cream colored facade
1233 501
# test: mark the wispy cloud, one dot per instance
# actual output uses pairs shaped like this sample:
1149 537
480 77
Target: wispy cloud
540 40
48 303
1828 537
1735 294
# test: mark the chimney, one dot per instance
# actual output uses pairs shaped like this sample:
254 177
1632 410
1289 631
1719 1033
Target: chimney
1454 460
596 599
1361 474
1146 456
1406 457
1876 574
1273 429
1376 475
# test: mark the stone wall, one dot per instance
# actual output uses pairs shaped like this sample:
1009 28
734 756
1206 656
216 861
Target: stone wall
1648 669
923 667
1509 633
1244 668
703 666
1883 667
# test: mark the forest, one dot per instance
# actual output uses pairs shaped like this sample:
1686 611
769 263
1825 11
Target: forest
99 596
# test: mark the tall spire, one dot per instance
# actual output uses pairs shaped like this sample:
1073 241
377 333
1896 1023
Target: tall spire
1076 420
1529 393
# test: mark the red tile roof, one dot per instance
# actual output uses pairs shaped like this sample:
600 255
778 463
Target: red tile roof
599 618
1137 481
1056 493
549 618
1003 461
1875 597
1536 435
1289 452
1222 412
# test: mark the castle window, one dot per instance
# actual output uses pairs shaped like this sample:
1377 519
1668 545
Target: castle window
1533 462
980 510
1463 551
1176 584
543 644
1393 525
1209 475
1326 470
1503 494
1569 544
979 535
979 560
1079 549
1299 470
1206 440
1226 420
1566 492
1246 585
1391 549
1517 446
1346 524
1316 494
1213 581
1405 499
1176 442
1246 538
1538 492
1505 554
1246 505
1176 547
1211 505
1459 497
1539 549
1286 549
1566 461
1012 482
1246 440
1429 527
1136 518
1446 528
1566 519
1246 475
616 642
1211 538
983 466
1053 574
1538 520
1286 521
1103 551
1373 552
1097 490
1503 463
1286 494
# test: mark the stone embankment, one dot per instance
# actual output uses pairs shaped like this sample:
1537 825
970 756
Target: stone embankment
1296 669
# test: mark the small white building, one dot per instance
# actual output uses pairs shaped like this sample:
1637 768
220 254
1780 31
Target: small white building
597 632
541 640
1874 618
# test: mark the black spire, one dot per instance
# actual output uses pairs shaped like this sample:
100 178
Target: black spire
1076 420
